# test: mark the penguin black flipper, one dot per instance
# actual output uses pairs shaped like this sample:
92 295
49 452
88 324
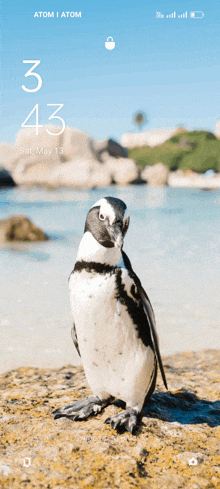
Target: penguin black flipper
149 313
74 338
151 320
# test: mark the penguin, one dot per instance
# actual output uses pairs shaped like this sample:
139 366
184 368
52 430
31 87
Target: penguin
114 327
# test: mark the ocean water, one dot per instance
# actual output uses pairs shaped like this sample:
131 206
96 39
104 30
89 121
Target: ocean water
173 242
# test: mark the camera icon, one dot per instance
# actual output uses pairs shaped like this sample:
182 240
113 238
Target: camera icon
26 462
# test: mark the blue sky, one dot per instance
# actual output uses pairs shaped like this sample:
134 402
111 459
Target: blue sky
169 68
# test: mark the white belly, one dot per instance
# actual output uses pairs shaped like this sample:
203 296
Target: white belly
115 360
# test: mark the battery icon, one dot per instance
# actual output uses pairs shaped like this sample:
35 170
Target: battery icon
198 14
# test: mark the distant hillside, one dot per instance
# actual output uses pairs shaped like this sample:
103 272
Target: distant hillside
196 150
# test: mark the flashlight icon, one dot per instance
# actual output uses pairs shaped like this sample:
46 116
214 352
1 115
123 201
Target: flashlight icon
197 14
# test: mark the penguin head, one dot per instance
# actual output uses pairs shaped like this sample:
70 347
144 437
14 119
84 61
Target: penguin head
108 222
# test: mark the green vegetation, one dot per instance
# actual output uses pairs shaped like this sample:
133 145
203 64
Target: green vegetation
197 150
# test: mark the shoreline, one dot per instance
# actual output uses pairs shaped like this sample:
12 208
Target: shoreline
73 360
174 180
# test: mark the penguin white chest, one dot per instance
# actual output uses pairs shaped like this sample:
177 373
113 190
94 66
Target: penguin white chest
93 305
115 360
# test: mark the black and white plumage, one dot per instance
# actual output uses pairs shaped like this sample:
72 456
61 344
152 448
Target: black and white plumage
114 330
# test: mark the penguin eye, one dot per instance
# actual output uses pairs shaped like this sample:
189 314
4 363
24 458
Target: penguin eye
101 217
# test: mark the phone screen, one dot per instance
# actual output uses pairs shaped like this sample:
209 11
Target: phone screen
115 99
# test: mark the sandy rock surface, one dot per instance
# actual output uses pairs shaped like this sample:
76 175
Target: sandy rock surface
177 446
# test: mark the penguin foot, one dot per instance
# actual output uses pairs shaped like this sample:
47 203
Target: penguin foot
128 420
79 410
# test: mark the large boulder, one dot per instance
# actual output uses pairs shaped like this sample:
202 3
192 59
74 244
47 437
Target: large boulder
9 156
43 147
6 179
38 156
151 138
122 171
156 175
71 159
110 146
29 172
20 228
82 173
115 149
75 144
192 179
89 172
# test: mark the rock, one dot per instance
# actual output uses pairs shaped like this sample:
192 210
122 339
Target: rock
217 129
156 175
38 156
190 458
76 144
20 228
180 130
209 174
195 180
9 156
176 425
121 170
184 143
178 173
31 172
82 173
171 481
6 179
8 160
111 147
116 150
72 159
5 469
151 138
41 147
190 173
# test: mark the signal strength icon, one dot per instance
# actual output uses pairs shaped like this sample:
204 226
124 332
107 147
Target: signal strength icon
183 16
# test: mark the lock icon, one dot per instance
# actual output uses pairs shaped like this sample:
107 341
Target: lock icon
110 44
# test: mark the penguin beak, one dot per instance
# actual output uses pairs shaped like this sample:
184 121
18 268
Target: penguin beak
116 235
